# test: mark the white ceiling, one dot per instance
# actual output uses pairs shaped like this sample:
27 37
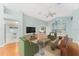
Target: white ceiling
41 10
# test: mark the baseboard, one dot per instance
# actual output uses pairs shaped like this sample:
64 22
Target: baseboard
8 43
11 42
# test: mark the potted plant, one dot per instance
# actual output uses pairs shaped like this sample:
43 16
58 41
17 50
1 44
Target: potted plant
52 35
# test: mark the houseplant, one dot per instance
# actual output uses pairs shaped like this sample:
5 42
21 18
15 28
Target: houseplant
52 35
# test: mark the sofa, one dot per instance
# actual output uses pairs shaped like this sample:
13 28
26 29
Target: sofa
27 48
69 48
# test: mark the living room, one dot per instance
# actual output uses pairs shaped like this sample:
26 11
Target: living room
39 29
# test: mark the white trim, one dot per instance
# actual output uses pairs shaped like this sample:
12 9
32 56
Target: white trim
7 43
11 42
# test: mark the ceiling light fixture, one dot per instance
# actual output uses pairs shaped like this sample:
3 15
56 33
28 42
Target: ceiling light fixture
50 13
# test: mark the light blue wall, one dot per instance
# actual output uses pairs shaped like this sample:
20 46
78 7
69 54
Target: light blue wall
13 15
68 26
10 14
1 25
75 25
33 22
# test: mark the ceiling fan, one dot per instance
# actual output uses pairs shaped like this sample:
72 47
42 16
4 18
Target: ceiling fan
50 14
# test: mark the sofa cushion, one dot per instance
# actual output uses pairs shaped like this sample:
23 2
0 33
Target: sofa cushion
63 51
73 49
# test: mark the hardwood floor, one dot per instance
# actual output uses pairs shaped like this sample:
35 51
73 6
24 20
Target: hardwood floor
10 50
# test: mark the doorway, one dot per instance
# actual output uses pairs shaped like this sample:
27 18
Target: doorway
11 31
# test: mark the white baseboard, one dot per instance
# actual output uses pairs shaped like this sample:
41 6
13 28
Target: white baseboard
11 42
8 43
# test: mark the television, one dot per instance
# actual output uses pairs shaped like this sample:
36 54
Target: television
30 30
